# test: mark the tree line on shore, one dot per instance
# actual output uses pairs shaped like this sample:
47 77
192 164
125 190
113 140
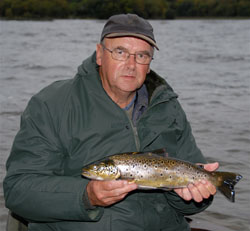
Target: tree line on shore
102 9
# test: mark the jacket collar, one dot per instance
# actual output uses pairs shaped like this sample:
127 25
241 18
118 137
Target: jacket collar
89 65
158 88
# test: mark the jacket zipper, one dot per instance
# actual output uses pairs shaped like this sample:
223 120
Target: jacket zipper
135 133
136 137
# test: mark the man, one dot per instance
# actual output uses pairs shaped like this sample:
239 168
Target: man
114 104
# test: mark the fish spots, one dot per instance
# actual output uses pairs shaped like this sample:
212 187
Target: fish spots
171 162
220 178
150 170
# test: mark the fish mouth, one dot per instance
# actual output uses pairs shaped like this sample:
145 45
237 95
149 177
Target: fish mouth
85 173
88 175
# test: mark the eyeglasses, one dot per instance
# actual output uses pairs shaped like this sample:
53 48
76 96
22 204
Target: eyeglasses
121 54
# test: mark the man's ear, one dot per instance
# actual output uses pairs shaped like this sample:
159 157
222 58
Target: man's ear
99 53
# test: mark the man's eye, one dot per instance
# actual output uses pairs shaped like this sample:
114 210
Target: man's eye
141 56
119 51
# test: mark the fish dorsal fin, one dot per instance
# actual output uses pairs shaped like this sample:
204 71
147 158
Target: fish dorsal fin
135 153
160 152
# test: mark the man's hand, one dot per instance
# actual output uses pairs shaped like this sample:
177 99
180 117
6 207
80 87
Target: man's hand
105 193
200 190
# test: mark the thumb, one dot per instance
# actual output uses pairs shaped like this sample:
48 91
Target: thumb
211 166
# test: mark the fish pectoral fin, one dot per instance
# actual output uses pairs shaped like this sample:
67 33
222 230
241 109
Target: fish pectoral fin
146 187
118 175
165 189
131 181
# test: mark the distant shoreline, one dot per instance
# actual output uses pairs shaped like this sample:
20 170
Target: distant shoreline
99 9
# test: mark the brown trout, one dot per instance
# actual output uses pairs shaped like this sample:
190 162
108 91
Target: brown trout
154 170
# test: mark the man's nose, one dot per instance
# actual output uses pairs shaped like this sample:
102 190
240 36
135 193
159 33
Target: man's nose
131 60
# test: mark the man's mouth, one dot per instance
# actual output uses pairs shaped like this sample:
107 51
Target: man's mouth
128 76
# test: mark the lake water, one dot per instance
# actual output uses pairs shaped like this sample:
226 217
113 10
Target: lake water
207 62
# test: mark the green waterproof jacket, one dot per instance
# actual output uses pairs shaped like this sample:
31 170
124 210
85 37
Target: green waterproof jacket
74 122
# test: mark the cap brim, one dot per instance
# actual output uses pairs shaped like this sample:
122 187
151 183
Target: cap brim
123 34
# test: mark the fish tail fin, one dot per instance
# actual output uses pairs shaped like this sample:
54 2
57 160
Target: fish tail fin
226 182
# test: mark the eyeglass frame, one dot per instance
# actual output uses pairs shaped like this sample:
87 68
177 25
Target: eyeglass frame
128 56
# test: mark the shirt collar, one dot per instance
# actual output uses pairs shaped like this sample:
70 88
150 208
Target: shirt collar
142 96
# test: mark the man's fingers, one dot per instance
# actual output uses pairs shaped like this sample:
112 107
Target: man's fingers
211 166
184 193
202 191
117 194
198 191
209 187
111 200
110 185
194 191
187 194
126 188
104 193
179 192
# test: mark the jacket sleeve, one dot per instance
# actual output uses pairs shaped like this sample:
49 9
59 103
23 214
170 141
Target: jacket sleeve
186 208
35 186
186 150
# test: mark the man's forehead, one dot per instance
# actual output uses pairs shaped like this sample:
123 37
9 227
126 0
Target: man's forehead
128 42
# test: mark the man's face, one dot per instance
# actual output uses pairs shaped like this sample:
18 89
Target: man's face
122 77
